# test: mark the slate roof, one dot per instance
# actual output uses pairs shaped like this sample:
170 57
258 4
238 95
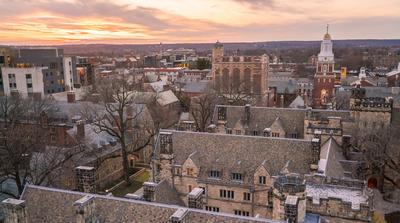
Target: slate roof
330 157
298 102
196 87
240 154
166 98
54 205
292 119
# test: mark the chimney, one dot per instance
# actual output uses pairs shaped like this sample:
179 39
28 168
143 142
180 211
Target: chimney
267 132
80 129
85 209
316 149
195 198
71 97
179 216
346 144
293 210
247 114
85 179
149 191
14 211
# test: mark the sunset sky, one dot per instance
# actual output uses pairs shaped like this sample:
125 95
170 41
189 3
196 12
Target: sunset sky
178 21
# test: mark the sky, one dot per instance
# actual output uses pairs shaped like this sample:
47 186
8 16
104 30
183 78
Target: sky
41 22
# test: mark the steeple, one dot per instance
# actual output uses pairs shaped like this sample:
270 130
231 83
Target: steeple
327 36
326 53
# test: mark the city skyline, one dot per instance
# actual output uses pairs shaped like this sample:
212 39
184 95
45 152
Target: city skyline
140 22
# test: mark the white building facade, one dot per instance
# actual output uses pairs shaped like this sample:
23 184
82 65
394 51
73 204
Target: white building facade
25 81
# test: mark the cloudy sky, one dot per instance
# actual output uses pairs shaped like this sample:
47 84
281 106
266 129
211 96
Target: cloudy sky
172 21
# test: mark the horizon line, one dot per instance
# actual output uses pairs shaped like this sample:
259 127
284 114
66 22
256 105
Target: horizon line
176 43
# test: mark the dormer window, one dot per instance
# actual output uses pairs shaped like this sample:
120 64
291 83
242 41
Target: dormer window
189 171
228 131
214 174
237 176
255 133
275 134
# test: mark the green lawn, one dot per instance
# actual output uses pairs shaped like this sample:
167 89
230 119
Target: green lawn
136 184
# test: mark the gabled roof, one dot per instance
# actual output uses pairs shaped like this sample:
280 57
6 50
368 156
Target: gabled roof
262 117
243 154
298 102
166 98
330 157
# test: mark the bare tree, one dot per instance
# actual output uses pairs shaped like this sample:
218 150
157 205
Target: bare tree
202 109
381 153
342 100
25 156
235 92
121 118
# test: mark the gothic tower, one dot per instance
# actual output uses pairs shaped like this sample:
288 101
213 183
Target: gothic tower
324 78
218 51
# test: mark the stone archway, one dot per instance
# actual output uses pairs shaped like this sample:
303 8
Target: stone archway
372 182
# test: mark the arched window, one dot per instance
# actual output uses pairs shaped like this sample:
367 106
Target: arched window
247 80
225 79
236 79
217 80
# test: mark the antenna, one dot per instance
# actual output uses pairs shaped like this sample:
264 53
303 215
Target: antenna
327 28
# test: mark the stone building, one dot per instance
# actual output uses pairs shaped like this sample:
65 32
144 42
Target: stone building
256 176
280 122
247 75
49 205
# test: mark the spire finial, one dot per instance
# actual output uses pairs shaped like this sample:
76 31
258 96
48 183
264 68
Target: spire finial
327 28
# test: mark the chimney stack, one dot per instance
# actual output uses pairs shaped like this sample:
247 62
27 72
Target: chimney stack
71 97
14 211
80 129
149 191
346 144
316 149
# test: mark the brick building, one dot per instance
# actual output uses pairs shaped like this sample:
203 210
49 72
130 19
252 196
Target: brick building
324 78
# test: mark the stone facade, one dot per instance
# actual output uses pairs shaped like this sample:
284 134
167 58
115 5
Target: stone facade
239 74
239 179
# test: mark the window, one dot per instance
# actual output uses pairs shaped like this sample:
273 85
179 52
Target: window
227 194
29 82
237 176
204 190
255 133
228 131
178 171
246 196
275 134
214 174
262 179
242 213
189 171
213 209
189 188
238 132
294 135
53 65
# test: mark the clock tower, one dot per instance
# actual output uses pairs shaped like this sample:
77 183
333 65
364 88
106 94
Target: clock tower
324 78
